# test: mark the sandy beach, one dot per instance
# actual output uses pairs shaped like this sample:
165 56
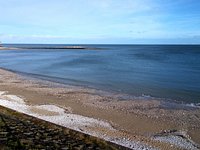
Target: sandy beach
136 124
119 74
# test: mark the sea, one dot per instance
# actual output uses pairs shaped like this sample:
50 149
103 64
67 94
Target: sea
169 72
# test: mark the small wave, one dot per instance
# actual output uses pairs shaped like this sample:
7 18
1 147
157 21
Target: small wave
145 97
197 105
177 105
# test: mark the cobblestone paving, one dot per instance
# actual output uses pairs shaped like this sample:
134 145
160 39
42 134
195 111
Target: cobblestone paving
19 131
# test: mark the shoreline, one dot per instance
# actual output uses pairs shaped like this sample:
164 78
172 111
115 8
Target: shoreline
138 120
179 91
166 103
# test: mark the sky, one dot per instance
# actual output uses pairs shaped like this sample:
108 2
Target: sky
100 21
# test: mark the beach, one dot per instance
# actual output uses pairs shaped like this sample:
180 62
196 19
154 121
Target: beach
131 123
100 75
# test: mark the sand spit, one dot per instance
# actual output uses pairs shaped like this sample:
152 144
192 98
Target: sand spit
8 48
55 47
50 47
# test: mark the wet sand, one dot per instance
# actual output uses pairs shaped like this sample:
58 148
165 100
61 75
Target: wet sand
130 121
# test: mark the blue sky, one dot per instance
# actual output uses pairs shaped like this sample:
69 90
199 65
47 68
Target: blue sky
100 21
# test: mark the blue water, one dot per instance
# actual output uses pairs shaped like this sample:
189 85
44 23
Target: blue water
162 71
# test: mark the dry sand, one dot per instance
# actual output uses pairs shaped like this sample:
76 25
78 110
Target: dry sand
133 123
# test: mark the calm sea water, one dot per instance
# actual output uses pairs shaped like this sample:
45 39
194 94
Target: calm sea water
162 71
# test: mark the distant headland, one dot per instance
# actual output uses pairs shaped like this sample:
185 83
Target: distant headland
43 47
55 47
